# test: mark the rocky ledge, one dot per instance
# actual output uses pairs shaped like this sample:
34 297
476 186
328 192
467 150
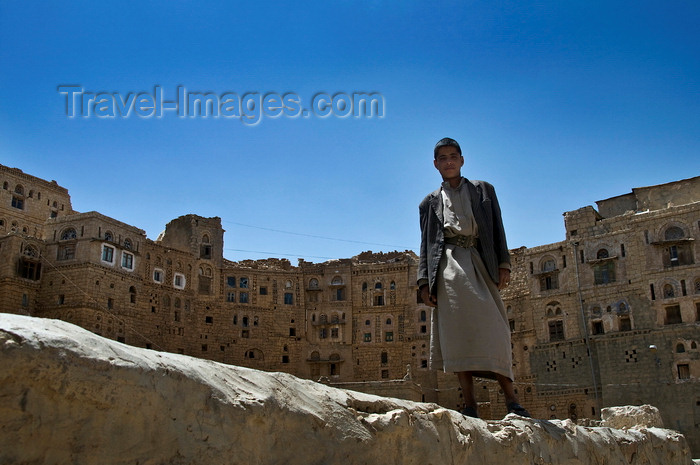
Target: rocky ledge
70 396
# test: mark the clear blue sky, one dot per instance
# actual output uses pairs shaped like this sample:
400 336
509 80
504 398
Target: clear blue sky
556 103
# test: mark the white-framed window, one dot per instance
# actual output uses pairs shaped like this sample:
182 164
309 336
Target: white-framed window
127 261
179 281
107 254
158 275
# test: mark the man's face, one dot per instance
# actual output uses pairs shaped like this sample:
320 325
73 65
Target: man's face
449 162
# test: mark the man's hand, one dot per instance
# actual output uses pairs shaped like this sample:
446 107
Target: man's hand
503 278
428 299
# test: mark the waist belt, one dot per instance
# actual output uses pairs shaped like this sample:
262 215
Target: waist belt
463 241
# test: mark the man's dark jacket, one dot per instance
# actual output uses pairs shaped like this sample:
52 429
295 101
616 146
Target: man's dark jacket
491 245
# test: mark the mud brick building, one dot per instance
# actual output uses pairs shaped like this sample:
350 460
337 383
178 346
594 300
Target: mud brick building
608 316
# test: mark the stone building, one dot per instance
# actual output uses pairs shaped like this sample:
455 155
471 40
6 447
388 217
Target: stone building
609 316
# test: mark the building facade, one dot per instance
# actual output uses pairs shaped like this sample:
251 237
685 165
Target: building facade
609 316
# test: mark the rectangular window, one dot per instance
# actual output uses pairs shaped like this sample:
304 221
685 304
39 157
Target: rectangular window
683 371
127 261
110 303
179 281
389 336
322 333
66 252
604 273
61 299
158 275
107 254
625 324
205 251
243 282
673 315
243 297
368 337
29 269
385 374
25 300
556 330
18 202
231 281
245 334
209 320
231 297
423 329
288 298
340 294
378 300
292 332
334 333
598 328
263 290
285 359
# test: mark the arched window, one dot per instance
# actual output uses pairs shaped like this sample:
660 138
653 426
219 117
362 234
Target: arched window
364 286
127 244
669 291
288 285
680 348
19 189
68 234
378 286
337 281
674 233
205 239
31 252
602 253
323 319
549 265
388 321
109 236
313 283
315 356
392 286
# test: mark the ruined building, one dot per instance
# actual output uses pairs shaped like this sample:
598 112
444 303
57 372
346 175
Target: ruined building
609 316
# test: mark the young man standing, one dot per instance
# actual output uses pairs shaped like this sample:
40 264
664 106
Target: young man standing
464 262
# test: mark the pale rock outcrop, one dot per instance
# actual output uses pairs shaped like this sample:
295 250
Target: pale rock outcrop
630 416
70 396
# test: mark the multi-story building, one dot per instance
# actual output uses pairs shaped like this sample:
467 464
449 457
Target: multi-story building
609 316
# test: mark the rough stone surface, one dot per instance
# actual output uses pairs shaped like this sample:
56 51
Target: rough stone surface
631 416
69 396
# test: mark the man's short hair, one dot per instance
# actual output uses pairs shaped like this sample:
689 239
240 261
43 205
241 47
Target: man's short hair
446 142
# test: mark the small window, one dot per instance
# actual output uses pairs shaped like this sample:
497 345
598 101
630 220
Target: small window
243 298
556 330
127 244
683 371
68 234
263 290
384 358
231 281
158 275
243 283
368 337
17 202
179 281
673 315
127 261
389 336
288 298
231 297
598 328
108 254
